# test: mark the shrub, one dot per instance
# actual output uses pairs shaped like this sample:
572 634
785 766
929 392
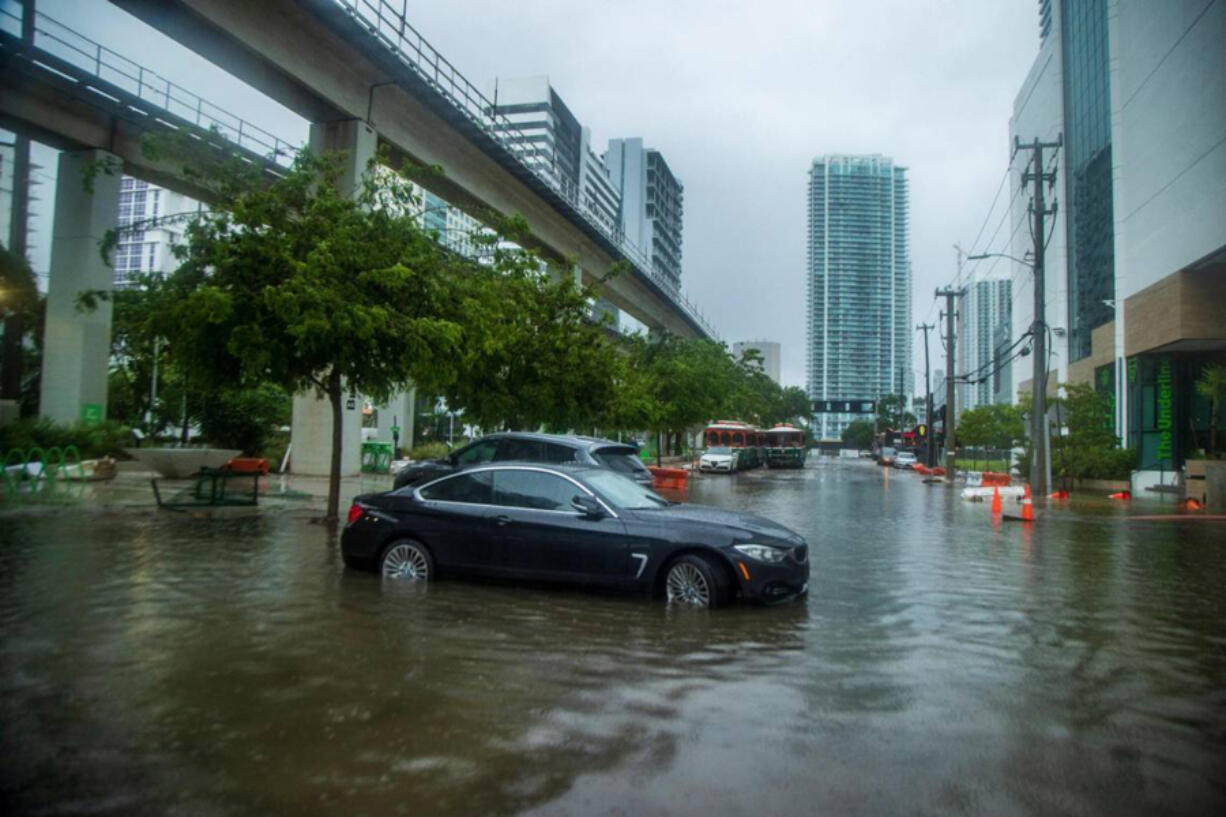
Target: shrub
244 418
108 438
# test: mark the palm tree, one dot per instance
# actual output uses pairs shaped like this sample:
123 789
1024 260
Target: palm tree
1212 385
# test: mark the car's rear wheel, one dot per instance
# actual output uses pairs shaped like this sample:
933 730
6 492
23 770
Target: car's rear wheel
692 581
406 559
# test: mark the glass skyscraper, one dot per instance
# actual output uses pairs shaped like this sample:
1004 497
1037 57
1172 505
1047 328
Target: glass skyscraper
1088 184
859 283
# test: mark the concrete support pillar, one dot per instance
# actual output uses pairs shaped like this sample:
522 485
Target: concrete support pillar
311 435
311 425
398 412
77 345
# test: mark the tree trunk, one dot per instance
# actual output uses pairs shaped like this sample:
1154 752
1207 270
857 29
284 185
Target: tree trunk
335 396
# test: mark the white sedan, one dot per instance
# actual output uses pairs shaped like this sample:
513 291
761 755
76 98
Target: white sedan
718 458
905 459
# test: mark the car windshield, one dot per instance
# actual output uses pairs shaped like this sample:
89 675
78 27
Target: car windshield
719 449
624 492
621 460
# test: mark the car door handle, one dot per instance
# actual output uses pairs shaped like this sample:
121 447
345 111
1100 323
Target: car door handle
502 520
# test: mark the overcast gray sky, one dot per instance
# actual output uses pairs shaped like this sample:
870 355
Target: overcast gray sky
740 97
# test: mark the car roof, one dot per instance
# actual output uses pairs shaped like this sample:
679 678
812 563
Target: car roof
576 440
571 468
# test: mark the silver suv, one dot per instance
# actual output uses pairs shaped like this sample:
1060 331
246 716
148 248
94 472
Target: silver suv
522 446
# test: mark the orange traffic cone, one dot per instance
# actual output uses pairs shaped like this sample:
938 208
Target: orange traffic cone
996 507
1027 511
1027 494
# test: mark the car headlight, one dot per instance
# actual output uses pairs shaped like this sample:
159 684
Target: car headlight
763 553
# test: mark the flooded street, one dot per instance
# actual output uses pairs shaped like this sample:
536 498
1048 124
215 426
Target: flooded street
159 663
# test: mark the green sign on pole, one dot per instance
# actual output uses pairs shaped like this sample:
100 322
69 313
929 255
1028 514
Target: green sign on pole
91 414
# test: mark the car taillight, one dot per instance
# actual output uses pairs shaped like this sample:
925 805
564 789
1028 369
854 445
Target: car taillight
355 511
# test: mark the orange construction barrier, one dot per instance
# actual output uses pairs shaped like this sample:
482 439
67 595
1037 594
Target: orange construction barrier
1192 504
673 479
1060 495
248 465
996 478
1121 495
938 471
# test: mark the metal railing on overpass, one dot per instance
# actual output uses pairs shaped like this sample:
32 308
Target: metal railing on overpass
389 25
74 49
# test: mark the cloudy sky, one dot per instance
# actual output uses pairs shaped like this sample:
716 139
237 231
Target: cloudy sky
740 97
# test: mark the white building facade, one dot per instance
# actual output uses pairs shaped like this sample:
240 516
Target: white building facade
151 223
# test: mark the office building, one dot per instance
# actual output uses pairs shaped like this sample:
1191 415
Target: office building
151 223
542 129
1136 264
984 309
551 141
768 350
652 203
859 283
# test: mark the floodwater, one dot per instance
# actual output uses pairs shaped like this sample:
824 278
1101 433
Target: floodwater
223 665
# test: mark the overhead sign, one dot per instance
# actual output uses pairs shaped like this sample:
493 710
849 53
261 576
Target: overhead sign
844 406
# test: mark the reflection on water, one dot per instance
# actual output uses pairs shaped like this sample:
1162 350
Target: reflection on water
941 664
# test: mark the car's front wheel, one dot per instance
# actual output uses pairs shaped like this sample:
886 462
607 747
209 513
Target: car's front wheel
406 559
692 581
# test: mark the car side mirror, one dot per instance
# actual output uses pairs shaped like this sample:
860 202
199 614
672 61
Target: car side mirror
587 506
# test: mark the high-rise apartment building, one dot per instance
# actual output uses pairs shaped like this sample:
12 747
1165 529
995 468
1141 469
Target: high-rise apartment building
859 283
652 202
1135 290
768 350
986 306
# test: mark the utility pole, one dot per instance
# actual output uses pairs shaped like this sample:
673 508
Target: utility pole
1039 211
950 411
931 433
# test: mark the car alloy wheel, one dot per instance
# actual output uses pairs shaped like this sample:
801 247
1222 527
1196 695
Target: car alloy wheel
406 560
687 585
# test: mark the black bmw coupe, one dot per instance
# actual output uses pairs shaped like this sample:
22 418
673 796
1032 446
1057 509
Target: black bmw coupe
576 524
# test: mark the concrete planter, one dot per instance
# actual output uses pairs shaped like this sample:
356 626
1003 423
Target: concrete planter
181 463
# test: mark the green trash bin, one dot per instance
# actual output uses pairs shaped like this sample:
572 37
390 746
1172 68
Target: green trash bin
376 457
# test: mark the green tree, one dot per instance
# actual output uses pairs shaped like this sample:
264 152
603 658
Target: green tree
20 312
892 412
245 418
794 406
531 355
859 434
294 283
992 426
